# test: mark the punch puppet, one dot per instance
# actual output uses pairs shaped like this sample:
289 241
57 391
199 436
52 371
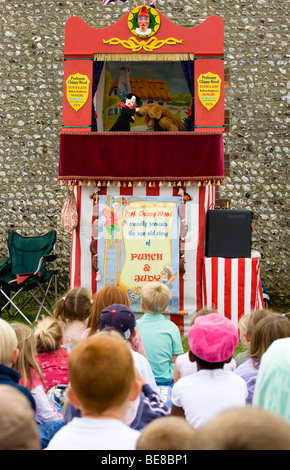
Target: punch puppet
128 110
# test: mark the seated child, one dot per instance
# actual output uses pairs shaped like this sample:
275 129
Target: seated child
122 318
48 419
30 371
160 336
270 328
74 309
273 380
246 326
184 366
52 358
199 397
18 428
244 338
170 433
102 383
105 297
8 356
245 428
147 407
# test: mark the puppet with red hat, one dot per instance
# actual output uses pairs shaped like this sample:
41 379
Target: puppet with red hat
143 20
128 110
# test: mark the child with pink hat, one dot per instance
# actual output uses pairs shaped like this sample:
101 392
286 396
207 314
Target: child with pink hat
199 397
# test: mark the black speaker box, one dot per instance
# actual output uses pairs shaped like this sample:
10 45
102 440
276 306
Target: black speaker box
228 233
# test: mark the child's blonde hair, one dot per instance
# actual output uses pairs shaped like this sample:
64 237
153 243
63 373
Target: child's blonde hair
155 297
49 334
8 342
243 328
76 304
102 372
26 363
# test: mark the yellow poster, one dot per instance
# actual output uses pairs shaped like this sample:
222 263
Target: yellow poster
139 240
147 230
77 90
209 89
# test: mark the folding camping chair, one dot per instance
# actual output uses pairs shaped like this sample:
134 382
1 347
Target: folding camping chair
24 271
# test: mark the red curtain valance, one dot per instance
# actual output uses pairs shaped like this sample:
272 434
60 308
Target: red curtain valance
149 156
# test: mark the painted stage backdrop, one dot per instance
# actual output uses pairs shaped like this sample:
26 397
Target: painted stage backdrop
138 242
162 83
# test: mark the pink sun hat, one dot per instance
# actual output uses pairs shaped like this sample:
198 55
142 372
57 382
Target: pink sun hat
213 337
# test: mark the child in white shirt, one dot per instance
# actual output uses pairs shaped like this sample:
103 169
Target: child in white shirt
199 397
103 381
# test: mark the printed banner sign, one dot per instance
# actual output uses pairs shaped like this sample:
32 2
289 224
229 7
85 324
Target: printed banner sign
138 242
209 89
77 90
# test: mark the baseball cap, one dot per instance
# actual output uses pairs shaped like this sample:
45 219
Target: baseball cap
213 337
120 317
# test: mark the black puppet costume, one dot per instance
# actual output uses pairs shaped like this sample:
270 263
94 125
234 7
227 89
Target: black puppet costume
128 110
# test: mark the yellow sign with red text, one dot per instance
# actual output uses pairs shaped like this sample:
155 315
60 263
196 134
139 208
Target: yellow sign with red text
209 89
147 235
77 90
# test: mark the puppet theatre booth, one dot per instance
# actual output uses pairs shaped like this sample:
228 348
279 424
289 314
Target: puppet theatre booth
141 153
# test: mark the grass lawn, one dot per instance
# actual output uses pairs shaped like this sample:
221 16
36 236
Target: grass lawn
29 310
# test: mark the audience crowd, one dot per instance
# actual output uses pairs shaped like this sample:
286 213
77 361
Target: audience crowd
92 377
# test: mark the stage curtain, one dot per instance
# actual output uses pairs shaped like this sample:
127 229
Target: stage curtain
97 70
188 70
147 156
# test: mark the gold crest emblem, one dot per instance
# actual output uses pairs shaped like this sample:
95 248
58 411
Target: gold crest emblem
77 90
209 89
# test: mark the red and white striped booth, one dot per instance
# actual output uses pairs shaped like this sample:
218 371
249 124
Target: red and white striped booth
190 283
232 286
152 164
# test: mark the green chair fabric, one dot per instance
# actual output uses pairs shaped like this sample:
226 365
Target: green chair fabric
26 266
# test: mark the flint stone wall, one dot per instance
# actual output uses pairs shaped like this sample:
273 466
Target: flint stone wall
256 45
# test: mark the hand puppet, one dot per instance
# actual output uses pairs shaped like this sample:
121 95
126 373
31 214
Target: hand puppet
128 110
159 118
